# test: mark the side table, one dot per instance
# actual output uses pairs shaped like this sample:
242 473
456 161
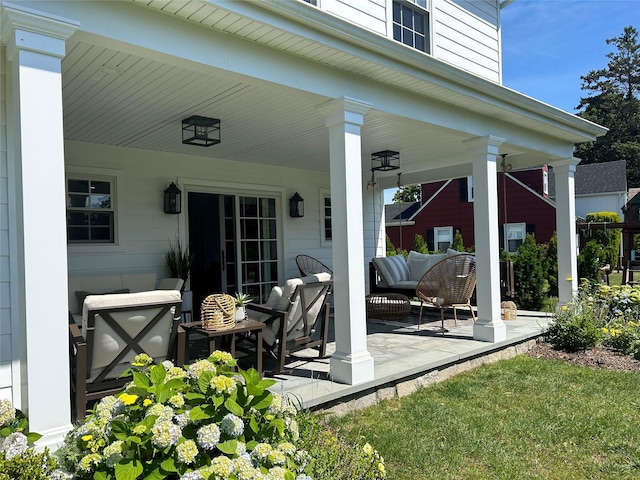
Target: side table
387 306
244 326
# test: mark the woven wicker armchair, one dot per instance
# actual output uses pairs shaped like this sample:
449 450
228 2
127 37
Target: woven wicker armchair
449 283
308 265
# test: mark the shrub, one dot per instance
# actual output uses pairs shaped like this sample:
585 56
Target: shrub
336 459
589 261
624 337
529 276
608 239
18 459
202 421
458 243
551 264
576 327
419 245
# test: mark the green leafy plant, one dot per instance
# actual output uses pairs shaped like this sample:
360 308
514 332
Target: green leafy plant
201 421
590 260
178 260
529 276
577 325
242 299
458 242
18 459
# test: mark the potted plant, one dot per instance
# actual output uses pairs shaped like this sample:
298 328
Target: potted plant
178 260
241 300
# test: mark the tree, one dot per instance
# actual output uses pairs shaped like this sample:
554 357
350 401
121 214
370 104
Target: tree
615 104
529 276
408 193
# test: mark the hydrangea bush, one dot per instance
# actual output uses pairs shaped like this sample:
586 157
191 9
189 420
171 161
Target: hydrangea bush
204 421
18 459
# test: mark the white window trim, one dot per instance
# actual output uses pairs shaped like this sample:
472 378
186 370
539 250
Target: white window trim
521 225
324 193
428 11
470 189
117 179
448 230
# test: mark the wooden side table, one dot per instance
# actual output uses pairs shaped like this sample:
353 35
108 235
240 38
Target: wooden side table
244 326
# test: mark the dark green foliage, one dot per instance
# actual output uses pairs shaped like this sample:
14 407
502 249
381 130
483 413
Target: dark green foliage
615 104
550 265
392 250
577 326
29 465
609 239
458 243
589 261
529 276
419 245
408 193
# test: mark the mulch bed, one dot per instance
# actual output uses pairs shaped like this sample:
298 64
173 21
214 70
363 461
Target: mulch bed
599 357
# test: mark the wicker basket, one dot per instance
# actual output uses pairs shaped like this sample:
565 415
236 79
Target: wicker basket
218 312
508 311
387 306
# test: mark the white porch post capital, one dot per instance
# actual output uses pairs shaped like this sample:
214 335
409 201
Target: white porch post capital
351 363
564 171
484 151
37 218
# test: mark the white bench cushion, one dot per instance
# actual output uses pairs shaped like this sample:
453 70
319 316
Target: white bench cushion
392 269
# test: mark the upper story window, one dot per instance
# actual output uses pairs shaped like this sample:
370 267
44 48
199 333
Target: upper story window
327 234
411 23
90 210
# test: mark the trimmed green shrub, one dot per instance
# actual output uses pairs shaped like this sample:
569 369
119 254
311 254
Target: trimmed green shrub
608 239
529 276
590 261
576 327
458 243
551 264
419 245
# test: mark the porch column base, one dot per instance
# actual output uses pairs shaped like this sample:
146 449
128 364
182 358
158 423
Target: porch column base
490 331
351 369
52 438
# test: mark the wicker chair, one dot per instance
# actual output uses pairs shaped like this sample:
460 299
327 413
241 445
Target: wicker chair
308 265
449 283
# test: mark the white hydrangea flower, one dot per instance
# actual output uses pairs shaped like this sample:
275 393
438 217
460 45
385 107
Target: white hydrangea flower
15 444
165 433
7 413
232 425
195 475
187 452
208 436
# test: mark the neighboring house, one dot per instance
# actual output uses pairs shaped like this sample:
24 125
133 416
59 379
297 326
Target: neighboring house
601 187
447 206
93 99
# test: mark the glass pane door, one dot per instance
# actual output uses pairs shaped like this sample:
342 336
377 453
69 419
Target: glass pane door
258 246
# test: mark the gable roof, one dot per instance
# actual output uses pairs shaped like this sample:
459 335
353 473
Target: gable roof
393 211
604 177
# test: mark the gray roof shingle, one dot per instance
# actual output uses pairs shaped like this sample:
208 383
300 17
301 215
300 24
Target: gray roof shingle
604 177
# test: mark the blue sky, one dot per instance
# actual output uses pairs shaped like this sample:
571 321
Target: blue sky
547 45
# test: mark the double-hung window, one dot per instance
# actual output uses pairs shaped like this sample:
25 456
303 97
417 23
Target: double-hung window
90 210
325 218
443 238
411 23
514 235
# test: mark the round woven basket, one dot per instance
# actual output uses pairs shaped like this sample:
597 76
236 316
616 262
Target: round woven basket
508 311
387 306
218 312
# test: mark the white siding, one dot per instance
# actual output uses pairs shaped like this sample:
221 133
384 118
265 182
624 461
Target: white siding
369 14
600 203
5 301
145 231
466 34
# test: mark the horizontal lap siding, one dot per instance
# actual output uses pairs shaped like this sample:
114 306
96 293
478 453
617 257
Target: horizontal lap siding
369 14
145 230
466 34
599 203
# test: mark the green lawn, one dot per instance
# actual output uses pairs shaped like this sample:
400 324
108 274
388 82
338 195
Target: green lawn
522 418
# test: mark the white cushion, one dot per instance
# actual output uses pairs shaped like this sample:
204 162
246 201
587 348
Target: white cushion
419 263
274 297
392 269
170 283
107 344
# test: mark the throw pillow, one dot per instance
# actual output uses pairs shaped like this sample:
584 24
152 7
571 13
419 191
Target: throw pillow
392 269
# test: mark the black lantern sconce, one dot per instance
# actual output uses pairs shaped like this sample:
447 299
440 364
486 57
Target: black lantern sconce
296 206
201 131
172 199
385 160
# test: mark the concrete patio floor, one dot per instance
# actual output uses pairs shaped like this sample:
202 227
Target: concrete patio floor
405 359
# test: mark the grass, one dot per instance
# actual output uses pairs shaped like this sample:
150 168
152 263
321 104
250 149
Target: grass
521 418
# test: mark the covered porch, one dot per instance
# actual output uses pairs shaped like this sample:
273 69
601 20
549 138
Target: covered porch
302 107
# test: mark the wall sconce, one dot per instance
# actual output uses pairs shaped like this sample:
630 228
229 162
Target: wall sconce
201 131
172 199
296 206
385 160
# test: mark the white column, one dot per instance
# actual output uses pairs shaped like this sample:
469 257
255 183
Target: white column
37 232
564 171
351 363
489 327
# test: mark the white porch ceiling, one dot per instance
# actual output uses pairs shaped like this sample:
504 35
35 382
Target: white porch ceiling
143 104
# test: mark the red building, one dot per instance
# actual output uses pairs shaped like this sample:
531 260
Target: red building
447 206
